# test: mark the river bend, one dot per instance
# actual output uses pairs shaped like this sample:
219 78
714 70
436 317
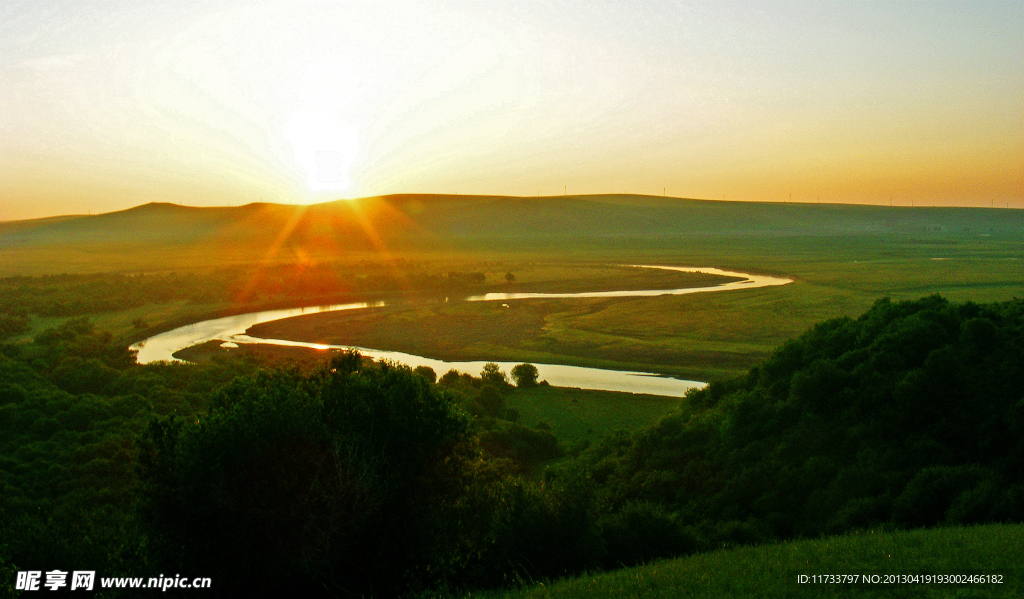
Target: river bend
232 329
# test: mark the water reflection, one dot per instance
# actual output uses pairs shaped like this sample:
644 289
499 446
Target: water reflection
750 281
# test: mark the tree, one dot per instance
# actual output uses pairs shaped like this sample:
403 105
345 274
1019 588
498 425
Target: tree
13 325
337 480
492 374
450 378
492 401
510 278
525 375
426 372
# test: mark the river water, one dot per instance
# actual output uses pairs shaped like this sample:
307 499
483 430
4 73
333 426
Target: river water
232 329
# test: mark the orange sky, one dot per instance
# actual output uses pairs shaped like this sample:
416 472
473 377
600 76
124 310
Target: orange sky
108 105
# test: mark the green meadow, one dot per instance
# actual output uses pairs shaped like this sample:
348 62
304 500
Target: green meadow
216 262
706 336
770 571
577 415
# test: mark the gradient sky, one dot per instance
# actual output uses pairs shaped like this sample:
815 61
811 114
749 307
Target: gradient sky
107 104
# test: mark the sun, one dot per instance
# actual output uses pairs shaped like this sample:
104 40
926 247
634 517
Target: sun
324 148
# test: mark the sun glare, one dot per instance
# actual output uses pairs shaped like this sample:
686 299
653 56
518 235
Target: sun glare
324 148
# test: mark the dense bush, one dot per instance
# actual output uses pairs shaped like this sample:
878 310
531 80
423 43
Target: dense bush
909 415
321 481
72 404
11 325
359 479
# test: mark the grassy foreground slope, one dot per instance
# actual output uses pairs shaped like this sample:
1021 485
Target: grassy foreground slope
769 571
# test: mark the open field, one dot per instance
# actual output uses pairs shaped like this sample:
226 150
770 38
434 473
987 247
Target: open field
576 415
705 336
842 258
769 571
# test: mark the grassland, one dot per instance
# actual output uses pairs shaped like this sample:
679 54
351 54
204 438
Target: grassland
486 330
705 336
577 415
769 571
160 237
842 258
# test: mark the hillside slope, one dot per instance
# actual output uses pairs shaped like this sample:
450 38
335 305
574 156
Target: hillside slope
770 571
416 216
168 236
909 415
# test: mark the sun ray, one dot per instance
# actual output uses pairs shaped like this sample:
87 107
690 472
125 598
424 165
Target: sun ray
268 257
364 222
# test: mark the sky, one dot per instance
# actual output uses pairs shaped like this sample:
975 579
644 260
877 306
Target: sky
108 104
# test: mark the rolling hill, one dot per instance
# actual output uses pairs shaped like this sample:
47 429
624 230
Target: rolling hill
445 222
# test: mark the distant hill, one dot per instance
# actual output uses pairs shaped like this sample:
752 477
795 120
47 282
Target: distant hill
420 221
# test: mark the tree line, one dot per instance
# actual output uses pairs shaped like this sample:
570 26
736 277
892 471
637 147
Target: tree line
74 295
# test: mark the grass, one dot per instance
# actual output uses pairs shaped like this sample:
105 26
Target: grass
842 257
576 415
769 571
707 336
266 355
120 324
516 331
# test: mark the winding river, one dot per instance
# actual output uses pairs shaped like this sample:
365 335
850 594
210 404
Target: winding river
232 330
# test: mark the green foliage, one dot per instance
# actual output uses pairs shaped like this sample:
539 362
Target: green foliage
525 375
8 574
326 480
369 479
454 378
641 532
360 478
548 530
906 416
78 295
527 448
492 374
71 406
426 372
11 325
